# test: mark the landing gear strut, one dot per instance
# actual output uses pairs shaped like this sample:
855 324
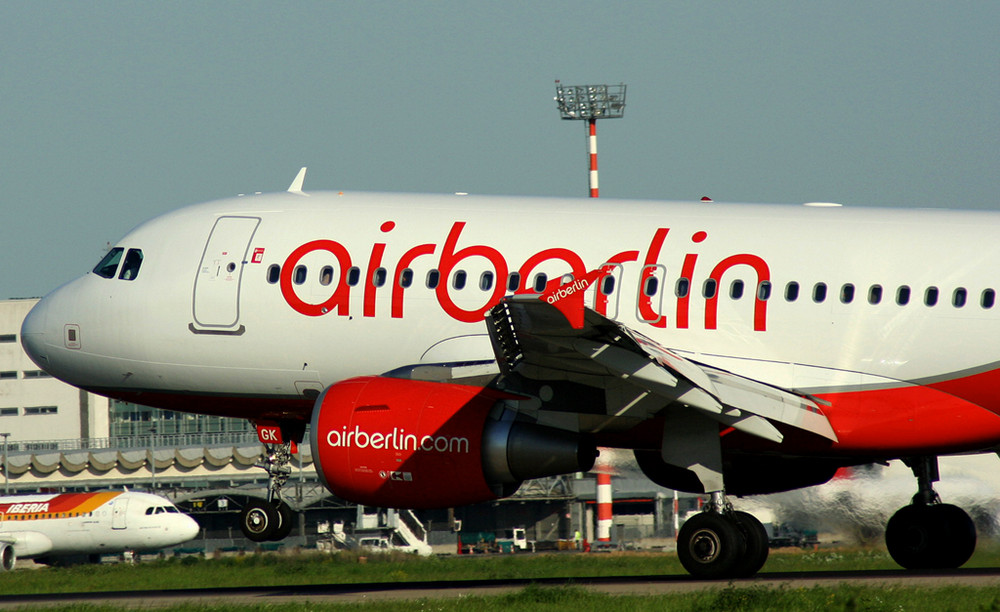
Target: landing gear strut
928 534
722 542
270 520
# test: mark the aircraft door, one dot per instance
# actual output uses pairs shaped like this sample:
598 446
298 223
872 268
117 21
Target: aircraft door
217 285
119 508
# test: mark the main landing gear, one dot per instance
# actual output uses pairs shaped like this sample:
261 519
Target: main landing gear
928 534
722 542
270 520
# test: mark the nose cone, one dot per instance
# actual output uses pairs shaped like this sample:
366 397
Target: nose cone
187 529
33 334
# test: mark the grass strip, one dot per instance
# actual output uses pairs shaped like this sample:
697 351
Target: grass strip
305 568
533 598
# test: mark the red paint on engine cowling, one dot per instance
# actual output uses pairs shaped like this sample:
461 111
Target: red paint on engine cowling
402 443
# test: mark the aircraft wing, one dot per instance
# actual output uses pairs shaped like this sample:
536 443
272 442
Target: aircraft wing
538 341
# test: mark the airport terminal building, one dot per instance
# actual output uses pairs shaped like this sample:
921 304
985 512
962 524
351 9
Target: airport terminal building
33 405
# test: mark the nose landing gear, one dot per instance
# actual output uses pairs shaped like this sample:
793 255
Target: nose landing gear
270 520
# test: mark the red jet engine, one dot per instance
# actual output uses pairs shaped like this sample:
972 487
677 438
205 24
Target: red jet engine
400 443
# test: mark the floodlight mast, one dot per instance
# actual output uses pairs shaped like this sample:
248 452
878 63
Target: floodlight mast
590 103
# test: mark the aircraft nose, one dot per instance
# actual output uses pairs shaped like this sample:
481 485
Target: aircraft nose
189 529
33 331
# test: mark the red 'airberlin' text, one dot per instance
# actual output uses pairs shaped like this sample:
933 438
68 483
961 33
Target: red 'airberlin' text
397 439
452 254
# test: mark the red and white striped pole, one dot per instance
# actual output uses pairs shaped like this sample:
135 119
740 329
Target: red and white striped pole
592 150
603 506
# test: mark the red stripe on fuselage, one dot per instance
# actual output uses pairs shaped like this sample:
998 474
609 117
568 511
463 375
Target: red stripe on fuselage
908 420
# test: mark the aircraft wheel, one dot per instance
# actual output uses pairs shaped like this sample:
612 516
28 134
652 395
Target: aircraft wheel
258 520
284 524
909 536
939 536
757 543
710 545
957 535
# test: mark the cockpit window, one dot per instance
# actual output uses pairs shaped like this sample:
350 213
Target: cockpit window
109 265
130 269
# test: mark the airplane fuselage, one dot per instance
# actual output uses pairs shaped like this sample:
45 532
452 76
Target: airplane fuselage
82 524
252 306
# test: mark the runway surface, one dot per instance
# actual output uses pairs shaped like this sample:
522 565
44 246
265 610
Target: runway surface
625 585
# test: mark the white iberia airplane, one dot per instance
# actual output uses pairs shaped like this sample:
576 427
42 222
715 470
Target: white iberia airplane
446 348
50 527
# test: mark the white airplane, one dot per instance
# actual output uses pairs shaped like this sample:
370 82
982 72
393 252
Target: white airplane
445 348
50 527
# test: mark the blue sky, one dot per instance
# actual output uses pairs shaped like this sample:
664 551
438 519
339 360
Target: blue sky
114 112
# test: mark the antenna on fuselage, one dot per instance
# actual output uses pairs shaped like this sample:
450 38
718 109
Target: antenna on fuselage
296 186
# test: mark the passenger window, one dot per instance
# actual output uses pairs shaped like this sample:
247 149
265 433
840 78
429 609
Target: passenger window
650 286
736 289
109 264
959 297
379 277
709 288
764 291
486 281
847 293
988 298
903 295
931 296
540 281
406 278
819 293
273 273
682 288
513 281
875 294
353 276
791 291
130 269
433 278
299 275
458 280
326 275
608 285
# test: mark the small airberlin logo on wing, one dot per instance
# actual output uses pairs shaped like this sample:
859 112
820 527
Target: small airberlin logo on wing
567 290
397 439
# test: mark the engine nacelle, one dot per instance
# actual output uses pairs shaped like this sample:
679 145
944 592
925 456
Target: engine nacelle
413 444
8 557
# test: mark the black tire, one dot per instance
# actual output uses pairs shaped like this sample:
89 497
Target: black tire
910 537
258 520
285 520
710 545
957 536
757 547
939 536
